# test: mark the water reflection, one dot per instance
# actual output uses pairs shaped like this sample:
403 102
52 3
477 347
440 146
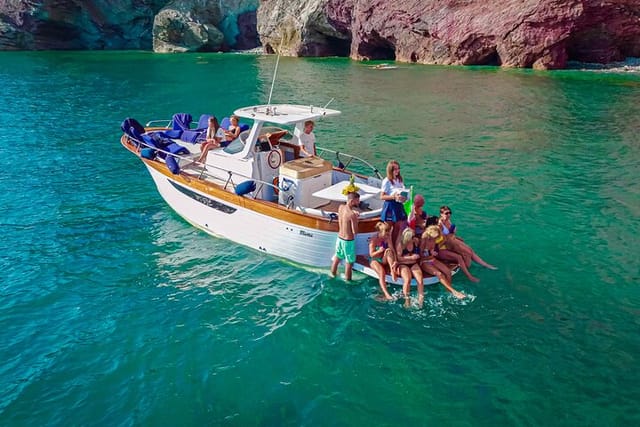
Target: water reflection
255 297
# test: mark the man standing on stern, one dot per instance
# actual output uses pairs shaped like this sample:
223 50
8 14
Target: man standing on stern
346 241
307 140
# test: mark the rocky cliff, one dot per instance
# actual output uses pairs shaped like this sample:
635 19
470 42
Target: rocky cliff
205 25
513 33
168 26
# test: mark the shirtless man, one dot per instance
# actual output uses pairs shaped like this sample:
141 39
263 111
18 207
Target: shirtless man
346 242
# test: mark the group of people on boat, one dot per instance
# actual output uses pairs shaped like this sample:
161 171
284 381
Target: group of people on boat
216 137
407 245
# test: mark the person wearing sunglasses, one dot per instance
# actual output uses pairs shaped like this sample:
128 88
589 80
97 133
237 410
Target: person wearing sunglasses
456 243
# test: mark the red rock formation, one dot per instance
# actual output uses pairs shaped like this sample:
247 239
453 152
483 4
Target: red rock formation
512 33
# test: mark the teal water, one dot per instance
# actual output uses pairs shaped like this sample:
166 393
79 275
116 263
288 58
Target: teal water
114 311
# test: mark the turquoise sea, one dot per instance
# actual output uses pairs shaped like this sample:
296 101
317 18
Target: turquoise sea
116 312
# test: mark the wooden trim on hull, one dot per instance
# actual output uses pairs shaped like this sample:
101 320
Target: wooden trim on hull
264 207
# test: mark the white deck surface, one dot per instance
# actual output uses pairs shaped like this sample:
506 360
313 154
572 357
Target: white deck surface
284 114
335 192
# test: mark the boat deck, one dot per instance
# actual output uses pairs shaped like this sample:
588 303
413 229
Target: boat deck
190 166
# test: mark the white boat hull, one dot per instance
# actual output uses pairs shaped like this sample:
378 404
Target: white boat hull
264 233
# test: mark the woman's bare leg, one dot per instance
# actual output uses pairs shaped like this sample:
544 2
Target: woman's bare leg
405 273
449 255
444 268
475 256
461 249
379 269
392 260
431 269
416 271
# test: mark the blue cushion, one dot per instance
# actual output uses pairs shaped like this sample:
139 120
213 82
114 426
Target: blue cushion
191 135
243 127
132 127
148 153
233 147
203 123
224 124
172 164
176 149
159 140
171 133
181 121
245 187
148 140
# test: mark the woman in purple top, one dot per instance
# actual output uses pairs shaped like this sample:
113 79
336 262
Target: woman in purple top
455 243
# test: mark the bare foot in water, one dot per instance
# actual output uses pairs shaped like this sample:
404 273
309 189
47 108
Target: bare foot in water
458 295
491 267
474 279
384 297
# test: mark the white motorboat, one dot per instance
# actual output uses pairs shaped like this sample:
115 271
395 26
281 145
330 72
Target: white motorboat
258 191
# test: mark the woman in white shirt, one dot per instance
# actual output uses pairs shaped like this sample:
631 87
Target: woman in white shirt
211 140
393 209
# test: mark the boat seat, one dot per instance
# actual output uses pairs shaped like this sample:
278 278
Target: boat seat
234 146
181 121
132 128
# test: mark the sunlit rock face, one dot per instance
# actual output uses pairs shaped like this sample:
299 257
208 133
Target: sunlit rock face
513 33
302 28
205 25
176 26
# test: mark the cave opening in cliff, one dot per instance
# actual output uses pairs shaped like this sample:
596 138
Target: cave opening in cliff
491 58
58 35
377 47
596 46
339 47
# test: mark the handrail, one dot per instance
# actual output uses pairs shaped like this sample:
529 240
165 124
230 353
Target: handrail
152 122
204 171
350 159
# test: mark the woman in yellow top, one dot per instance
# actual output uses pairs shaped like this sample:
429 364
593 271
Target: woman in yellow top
429 262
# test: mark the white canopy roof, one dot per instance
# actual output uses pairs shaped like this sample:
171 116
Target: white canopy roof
284 114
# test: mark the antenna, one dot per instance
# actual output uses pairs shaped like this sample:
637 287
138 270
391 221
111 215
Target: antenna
327 104
275 72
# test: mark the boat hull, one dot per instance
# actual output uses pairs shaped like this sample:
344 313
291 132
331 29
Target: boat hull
268 234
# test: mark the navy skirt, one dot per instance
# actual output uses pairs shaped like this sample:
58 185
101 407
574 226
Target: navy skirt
393 211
